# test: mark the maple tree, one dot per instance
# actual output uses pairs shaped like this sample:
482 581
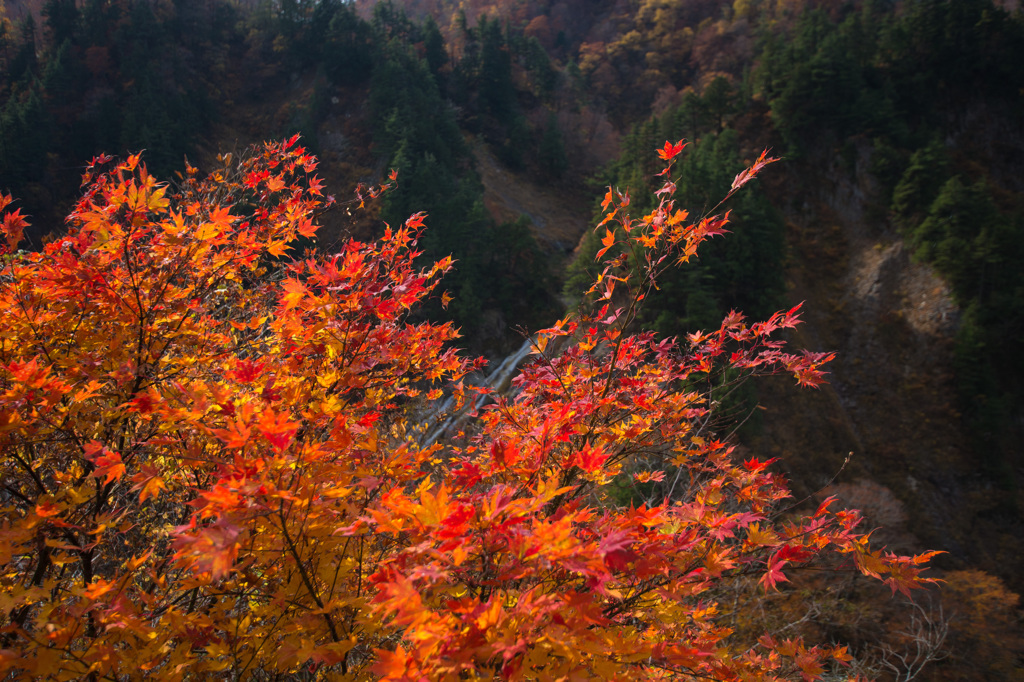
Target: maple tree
211 460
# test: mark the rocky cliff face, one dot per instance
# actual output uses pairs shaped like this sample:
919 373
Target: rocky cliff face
891 402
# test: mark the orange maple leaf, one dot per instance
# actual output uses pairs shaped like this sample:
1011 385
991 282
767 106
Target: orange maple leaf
148 483
277 428
607 241
295 292
108 463
748 174
670 151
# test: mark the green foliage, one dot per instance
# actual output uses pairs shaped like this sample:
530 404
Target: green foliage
498 268
878 72
348 48
434 50
61 20
944 53
580 271
888 163
517 276
482 85
980 398
741 273
920 181
552 155
24 64
390 22
109 77
417 133
408 109
537 64
719 98
819 80
977 248
957 237
691 117
26 128
497 95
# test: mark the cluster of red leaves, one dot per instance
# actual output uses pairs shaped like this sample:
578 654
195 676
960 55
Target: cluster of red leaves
210 459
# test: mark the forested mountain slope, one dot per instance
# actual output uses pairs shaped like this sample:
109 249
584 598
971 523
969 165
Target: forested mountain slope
897 215
901 200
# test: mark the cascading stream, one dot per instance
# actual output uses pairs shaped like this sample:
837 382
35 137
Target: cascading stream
498 381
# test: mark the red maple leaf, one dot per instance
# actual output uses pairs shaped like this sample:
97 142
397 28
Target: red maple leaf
670 151
747 175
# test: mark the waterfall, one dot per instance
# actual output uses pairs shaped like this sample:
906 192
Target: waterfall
498 381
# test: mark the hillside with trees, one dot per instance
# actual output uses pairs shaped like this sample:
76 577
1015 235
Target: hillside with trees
896 216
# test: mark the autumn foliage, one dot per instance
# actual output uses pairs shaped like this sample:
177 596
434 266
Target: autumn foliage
211 459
